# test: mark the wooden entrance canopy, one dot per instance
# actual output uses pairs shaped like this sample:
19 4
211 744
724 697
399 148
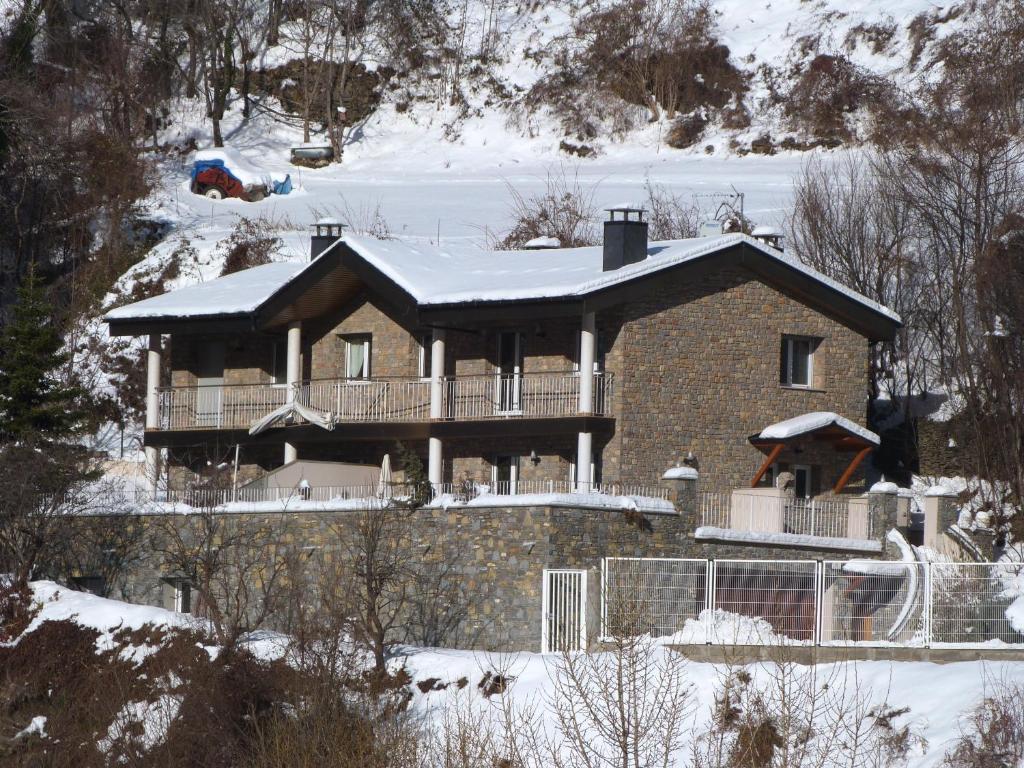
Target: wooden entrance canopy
821 426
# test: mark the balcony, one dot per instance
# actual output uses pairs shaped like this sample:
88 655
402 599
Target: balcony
385 400
762 512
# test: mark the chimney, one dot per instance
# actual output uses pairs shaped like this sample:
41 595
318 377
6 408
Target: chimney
769 236
326 232
625 237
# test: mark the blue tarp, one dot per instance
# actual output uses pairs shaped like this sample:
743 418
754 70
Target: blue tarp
276 187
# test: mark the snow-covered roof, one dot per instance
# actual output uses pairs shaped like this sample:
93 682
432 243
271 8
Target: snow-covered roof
455 274
811 422
236 293
462 273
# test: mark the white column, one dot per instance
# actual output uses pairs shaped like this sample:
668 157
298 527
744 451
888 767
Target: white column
293 373
584 458
153 409
588 334
584 444
435 456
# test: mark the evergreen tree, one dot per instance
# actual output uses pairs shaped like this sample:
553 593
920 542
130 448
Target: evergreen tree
35 405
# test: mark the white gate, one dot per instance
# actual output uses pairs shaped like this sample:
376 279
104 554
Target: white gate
564 619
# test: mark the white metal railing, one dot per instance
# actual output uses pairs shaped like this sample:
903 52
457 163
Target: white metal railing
848 603
122 498
234 406
472 489
823 516
524 395
492 396
354 400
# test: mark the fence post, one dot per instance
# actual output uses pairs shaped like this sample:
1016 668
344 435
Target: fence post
928 600
682 490
819 599
709 592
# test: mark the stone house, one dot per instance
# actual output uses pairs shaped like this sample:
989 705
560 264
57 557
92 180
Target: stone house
474 360
545 392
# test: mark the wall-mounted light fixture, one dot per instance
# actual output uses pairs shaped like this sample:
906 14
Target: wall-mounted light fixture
534 458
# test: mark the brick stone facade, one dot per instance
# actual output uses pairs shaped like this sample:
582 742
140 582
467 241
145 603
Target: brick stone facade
695 366
697 369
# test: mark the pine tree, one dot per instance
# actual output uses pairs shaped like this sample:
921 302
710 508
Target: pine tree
35 405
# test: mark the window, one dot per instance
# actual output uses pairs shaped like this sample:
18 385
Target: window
179 592
279 367
357 357
796 361
426 340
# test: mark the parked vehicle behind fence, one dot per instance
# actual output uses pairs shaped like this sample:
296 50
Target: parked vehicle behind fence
223 173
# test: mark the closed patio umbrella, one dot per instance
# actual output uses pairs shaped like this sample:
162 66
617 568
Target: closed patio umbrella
384 484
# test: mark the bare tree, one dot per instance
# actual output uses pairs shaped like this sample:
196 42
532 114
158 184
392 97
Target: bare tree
564 210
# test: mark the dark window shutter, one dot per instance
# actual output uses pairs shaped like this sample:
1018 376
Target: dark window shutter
783 363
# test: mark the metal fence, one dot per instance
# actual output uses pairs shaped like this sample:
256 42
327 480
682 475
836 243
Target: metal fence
832 602
831 517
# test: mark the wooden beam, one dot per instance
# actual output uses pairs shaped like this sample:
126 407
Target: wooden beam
767 463
845 478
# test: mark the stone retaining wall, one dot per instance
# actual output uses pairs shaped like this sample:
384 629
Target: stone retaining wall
485 564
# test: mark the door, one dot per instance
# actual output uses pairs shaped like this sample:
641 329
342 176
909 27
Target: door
210 381
564 611
802 481
505 475
510 371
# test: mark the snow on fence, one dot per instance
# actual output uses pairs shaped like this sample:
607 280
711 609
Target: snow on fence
828 517
848 603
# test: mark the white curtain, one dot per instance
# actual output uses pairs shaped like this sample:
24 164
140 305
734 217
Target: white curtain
356 358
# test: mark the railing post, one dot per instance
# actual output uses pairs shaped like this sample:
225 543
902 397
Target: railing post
153 355
293 373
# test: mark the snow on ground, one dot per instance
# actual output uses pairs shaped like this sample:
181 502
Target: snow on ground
937 696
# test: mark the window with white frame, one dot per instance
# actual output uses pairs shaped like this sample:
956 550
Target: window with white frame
357 356
796 361
426 342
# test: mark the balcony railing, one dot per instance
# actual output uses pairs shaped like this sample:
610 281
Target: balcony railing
829 517
378 400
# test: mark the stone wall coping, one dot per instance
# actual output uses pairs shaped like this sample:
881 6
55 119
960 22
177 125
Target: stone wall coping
940 491
680 473
884 487
779 539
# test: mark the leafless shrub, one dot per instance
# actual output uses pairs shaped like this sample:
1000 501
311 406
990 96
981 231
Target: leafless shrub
784 714
251 244
564 210
362 219
669 216
992 734
625 706
826 92
686 131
